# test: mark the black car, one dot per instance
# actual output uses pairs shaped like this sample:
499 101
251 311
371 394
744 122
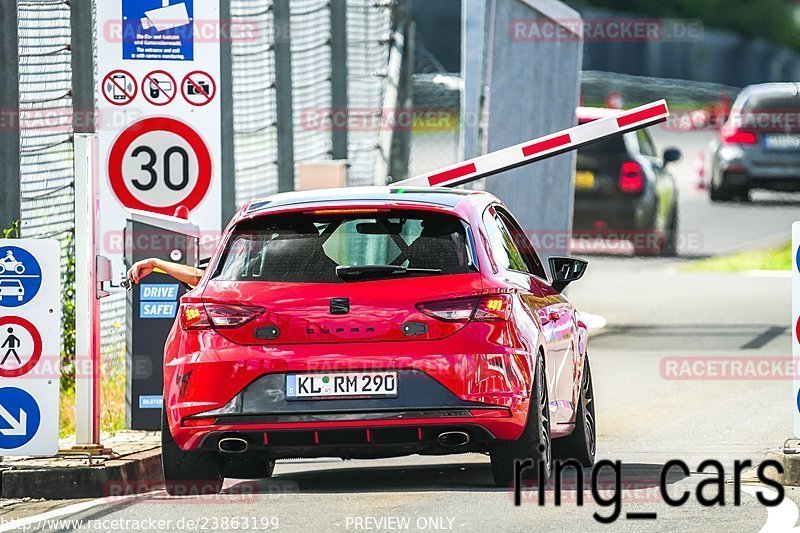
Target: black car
623 191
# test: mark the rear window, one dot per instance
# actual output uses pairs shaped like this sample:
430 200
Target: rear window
308 247
769 113
612 146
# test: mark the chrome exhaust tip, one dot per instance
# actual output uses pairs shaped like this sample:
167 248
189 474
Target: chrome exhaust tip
233 445
453 439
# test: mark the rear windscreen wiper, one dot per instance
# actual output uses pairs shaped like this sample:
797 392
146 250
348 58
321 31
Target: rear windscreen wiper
381 271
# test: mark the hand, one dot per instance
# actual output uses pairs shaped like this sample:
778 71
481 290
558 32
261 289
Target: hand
140 270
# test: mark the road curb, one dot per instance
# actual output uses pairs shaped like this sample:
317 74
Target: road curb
115 477
791 467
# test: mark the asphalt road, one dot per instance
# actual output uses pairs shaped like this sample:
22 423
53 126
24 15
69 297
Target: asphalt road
647 414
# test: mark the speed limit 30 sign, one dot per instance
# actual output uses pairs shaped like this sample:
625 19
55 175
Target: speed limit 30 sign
158 164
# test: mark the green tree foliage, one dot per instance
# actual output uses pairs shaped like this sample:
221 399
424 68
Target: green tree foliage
767 19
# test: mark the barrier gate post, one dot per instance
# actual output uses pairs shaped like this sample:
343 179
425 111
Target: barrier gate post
91 270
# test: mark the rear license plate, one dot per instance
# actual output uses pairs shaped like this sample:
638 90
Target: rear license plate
584 180
782 142
341 385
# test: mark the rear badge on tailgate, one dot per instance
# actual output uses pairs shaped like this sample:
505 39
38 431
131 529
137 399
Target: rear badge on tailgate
340 306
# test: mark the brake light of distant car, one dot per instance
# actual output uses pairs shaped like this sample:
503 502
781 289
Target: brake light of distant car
489 308
631 177
732 135
220 316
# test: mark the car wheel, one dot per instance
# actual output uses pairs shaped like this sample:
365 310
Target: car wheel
534 443
743 195
718 193
248 467
581 444
669 248
188 473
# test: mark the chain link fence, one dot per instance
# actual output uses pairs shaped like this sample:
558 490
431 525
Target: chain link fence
369 24
45 120
254 105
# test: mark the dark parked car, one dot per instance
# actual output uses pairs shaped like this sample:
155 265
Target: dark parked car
624 191
759 144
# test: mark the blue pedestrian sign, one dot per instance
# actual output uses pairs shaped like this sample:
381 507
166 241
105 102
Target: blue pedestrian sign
158 30
19 418
20 276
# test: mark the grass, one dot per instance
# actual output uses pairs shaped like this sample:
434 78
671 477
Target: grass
779 258
112 403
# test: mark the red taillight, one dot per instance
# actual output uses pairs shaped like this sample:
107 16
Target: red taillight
456 310
219 316
493 307
193 316
631 177
732 135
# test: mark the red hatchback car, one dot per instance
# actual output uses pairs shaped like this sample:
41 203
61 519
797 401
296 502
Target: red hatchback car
374 322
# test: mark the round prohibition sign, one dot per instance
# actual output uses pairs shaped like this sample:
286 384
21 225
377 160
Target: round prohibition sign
141 163
37 346
119 87
198 88
159 88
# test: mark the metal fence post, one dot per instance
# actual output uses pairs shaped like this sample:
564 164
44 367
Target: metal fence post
82 57
401 141
283 95
9 113
227 173
339 75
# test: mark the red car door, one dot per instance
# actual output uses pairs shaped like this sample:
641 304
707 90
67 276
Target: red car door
557 317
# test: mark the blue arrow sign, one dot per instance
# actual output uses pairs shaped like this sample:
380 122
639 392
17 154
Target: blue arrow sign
20 276
19 418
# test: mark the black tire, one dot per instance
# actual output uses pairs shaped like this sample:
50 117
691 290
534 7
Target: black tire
534 443
581 444
248 467
669 248
721 193
188 473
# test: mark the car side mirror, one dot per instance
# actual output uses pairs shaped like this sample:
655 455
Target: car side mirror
565 270
671 155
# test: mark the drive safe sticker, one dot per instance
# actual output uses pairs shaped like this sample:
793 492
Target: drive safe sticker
157 309
158 292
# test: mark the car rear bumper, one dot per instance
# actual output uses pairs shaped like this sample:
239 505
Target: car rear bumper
744 171
241 389
362 442
601 217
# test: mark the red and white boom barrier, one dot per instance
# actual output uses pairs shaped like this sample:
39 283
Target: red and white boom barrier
541 148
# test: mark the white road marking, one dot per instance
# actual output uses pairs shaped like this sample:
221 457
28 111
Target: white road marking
781 518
